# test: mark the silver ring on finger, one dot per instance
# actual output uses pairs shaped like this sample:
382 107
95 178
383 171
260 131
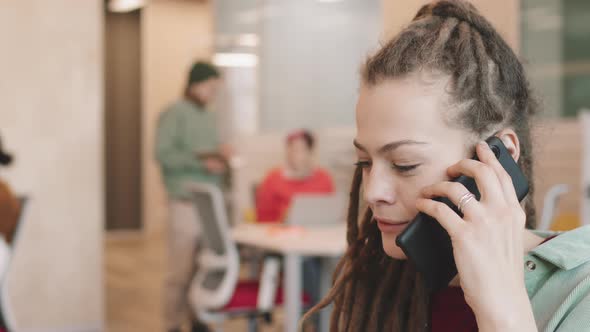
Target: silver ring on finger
464 200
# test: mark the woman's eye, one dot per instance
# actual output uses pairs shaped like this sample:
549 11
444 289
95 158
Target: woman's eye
405 168
363 164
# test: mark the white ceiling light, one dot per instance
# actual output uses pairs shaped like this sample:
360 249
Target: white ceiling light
123 6
235 59
329 1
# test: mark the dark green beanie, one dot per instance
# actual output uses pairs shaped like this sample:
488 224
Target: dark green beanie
202 71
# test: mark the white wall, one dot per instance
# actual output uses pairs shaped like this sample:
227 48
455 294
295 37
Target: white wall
310 56
51 117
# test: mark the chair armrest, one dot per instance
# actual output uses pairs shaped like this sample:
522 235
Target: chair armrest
209 260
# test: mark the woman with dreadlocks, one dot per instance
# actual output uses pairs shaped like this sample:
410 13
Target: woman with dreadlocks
428 99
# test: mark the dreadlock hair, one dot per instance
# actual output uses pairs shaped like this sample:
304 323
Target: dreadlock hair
372 291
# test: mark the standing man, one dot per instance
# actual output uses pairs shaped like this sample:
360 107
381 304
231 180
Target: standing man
186 144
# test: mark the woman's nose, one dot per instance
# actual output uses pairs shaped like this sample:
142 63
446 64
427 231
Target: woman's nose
378 186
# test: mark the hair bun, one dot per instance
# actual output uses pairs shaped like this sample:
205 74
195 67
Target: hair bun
461 10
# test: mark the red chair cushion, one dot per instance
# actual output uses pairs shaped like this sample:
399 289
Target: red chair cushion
246 295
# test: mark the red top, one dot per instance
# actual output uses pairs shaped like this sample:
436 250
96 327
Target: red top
450 312
274 194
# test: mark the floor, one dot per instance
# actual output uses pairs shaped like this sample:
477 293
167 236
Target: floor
134 276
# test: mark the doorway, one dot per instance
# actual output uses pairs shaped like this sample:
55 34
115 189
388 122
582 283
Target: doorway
123 120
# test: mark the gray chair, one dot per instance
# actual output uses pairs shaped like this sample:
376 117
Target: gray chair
217 282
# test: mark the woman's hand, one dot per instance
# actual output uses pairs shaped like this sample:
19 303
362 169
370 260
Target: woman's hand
487 242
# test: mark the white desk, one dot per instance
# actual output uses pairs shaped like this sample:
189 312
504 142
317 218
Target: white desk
293 244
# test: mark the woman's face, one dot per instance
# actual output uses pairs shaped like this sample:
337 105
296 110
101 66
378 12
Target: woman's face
403 144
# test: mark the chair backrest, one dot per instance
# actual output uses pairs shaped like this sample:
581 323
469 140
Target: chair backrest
550 205
218 259
313 210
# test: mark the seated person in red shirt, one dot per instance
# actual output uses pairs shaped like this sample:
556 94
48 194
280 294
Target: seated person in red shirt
298 176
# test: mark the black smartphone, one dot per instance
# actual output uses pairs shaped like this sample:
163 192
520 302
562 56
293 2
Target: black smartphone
426 243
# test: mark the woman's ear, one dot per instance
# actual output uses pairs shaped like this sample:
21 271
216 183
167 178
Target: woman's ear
510 140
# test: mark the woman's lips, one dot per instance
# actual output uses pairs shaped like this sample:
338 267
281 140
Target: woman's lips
390 226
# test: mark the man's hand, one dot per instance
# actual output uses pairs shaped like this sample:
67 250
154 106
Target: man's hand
215 166
227 151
